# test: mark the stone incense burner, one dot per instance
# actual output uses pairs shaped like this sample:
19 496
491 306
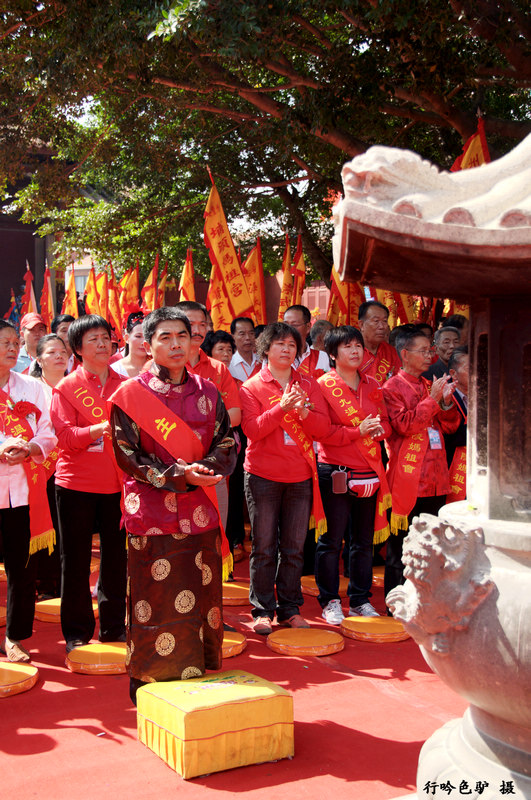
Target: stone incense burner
403 225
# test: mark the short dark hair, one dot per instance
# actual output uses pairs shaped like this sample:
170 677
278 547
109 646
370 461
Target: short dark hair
6 323
341 335
407 326
457 356
240 319
81 326
447 329
319 326
276 331
190 305
404 339
214 337
368 304
454 321
305 311
56 321
164 314
423 325
35 370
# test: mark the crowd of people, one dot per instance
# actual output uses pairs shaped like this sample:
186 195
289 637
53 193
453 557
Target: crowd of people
329 440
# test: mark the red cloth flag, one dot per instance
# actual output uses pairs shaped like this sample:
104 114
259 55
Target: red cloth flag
92 303
70 302
149 290
186 284
12 307
475 150
115 313
223 256
286 292
253 272
29 303
129 298
299 274
47 312
161 291
102 288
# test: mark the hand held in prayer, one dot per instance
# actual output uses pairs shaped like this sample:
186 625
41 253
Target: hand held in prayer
438 386
371 426
14 450
448 390
290 397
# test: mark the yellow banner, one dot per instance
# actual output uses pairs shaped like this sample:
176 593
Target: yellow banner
253 272
299 274
186 284
149 290
287 282
92 303
223 256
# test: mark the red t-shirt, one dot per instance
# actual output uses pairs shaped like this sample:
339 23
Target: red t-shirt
83 464
270 453
220 376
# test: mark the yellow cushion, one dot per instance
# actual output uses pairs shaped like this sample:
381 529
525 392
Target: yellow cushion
305 642
101 658
3 612
3 576
236 593
378 576
17 678
374 629
233 643
309 586
50 610
216 722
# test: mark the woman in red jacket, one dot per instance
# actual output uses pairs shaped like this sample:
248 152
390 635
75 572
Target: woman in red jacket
88 487
351 475
282 413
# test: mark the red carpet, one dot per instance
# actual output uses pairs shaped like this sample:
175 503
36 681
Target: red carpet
361 717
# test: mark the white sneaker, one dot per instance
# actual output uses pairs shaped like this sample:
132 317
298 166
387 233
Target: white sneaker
333 613
365 610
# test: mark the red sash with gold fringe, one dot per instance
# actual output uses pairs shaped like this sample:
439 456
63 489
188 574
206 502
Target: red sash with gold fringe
42 533
173 434
269 394
342 400
458 476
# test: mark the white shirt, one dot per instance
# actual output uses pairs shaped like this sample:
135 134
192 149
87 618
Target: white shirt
323 362
240 369
13 483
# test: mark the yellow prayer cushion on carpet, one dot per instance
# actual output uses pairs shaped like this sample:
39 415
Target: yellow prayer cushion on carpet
236 593
215 722
101 658
94 564
374 629
3 576
305 642
3 612
17 678
50 610
233 643
378 576
309 586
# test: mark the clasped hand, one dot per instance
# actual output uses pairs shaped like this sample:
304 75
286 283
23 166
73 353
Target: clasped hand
442 388
199 475
14 450
295 398
371 426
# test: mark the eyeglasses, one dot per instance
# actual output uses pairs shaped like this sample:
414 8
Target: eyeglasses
297 324
420 352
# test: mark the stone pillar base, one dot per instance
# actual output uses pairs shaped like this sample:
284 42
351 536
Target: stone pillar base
458 755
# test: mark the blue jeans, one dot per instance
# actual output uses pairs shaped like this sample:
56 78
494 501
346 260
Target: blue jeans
279 514
339 508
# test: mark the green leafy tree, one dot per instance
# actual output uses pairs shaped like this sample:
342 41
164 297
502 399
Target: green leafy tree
115 107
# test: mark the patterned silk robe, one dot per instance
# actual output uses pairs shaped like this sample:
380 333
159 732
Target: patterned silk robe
175 625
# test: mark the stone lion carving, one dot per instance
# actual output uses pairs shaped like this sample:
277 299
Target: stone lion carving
447 579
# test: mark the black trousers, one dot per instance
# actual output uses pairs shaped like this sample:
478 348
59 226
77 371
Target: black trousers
235 528
20 572
80 514
394 569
